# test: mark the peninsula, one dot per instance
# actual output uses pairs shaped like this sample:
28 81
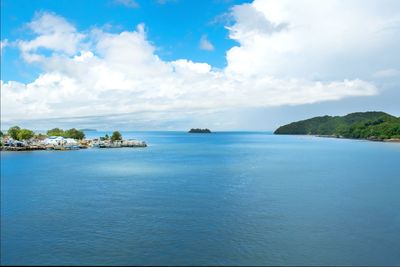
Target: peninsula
198 130
372 125
17 139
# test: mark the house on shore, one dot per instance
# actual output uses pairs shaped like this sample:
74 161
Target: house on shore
14 143
60 141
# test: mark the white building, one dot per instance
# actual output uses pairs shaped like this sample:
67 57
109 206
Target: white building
60 141
54 140
70 142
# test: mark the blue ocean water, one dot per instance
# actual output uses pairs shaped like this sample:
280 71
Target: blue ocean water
240 198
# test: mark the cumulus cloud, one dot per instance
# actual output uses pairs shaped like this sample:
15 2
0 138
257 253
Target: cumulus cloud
3 44
305 38
281 44
205 44
54 33
249 21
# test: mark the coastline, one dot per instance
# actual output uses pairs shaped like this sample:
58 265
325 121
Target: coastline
80 144
391 140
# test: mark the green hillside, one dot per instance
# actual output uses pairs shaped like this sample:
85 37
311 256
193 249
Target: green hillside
359 125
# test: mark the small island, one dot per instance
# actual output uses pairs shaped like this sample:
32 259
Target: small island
372 125
198 130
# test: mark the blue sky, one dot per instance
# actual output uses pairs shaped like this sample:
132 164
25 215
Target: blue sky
174 64
175 27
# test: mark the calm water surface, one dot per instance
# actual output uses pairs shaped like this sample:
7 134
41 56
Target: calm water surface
224 198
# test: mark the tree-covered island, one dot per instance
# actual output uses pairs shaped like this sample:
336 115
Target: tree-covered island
198 130
372 125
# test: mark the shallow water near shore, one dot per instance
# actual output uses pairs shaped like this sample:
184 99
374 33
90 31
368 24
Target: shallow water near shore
229 198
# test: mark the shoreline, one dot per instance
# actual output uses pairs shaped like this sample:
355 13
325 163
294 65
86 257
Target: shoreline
391 140
78 145
29 148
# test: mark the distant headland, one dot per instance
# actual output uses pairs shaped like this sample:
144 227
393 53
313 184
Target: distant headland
198 130
88 130
372 125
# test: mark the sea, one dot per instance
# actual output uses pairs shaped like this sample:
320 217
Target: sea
225 198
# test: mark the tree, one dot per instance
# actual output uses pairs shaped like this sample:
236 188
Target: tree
116 136
55 132
13 132
74 133
25 134
1 134
106 137
40 136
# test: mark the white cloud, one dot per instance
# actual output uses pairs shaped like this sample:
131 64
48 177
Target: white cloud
3 44
53 33
281 45
205 44
250 22
332 38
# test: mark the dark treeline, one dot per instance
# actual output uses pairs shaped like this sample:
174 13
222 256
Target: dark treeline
17 133
71 133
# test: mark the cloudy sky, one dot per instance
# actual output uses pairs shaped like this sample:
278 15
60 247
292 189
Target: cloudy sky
175 64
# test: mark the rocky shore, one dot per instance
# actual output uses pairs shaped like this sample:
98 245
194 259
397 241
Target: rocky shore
80 144
393 140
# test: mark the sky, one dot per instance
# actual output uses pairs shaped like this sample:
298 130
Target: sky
179 64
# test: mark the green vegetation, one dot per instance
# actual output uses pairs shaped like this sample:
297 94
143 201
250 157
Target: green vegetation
17 133
74 133
71 133
359 125
40 136
13 132
55 132
106 137
25 134
116 136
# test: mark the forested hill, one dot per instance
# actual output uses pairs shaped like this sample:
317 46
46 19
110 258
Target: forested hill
360 125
